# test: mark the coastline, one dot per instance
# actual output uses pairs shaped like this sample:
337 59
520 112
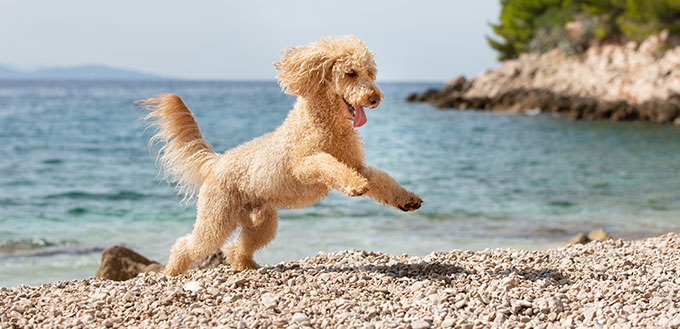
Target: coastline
615 282
617 82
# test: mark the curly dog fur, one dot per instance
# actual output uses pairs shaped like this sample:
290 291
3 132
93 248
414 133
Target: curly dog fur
317 148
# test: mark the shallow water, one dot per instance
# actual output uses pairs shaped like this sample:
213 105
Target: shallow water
76 176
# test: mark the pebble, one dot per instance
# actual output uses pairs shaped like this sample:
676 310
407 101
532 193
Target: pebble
509 282
236 281
454 289
213 291
448 323
269 301
420 324
193 286
675 323
599 268
589 315
300 317
19 308
129 297
555 304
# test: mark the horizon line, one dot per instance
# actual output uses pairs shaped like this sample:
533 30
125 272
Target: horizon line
159 79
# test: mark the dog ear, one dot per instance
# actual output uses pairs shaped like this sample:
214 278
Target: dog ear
305 70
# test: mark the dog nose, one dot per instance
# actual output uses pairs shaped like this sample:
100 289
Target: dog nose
374 100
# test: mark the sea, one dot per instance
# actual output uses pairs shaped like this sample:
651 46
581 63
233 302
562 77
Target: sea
77 176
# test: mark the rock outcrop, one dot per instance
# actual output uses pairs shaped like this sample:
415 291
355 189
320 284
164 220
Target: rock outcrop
120 263
617 82
595 235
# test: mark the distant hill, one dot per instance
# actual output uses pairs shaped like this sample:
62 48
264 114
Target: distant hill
84 72
8 73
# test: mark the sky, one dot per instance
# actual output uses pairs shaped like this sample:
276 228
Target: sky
223 40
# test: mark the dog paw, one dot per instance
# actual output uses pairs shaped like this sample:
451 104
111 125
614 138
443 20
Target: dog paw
410 203
238 260
244 264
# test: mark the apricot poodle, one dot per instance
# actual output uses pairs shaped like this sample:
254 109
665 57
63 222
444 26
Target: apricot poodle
315 149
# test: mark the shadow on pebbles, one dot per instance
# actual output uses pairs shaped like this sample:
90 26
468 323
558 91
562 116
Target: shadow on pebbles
613 283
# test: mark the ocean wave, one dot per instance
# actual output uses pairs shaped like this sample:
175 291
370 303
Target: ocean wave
312 215
77 211
454 214
7 202
40 247
53 161
23 244
117 196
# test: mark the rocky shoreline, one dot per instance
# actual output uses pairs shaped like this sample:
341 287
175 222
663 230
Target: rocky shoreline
615 82
611 283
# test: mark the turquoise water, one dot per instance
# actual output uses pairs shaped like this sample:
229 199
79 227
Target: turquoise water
76 176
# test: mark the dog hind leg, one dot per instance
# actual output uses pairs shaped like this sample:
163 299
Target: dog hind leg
210 232
256 231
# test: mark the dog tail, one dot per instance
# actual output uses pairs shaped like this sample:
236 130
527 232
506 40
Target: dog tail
186 158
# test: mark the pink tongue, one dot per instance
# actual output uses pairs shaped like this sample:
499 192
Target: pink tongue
359 116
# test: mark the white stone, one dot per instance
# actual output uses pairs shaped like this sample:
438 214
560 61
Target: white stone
599 268
300 317
193 286
269 301
420 324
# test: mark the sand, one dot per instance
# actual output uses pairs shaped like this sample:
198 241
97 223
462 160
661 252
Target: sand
602 284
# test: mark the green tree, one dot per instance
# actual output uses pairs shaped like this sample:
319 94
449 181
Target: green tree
537 25
644 17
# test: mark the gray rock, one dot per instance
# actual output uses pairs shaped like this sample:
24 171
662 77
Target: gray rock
120 263
606 81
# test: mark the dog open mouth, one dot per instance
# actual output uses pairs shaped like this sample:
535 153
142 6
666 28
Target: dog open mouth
357 112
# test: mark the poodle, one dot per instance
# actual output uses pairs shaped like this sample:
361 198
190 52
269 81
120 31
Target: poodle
315 149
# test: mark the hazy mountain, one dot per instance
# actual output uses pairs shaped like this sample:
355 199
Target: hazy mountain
8 73
84 72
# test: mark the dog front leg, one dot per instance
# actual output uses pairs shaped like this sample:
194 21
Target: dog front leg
325 169
386 190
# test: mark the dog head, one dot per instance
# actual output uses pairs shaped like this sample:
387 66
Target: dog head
339 69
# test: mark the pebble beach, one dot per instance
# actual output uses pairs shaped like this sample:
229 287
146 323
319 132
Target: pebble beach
613 284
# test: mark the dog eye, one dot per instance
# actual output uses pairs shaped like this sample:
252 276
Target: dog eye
351 74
